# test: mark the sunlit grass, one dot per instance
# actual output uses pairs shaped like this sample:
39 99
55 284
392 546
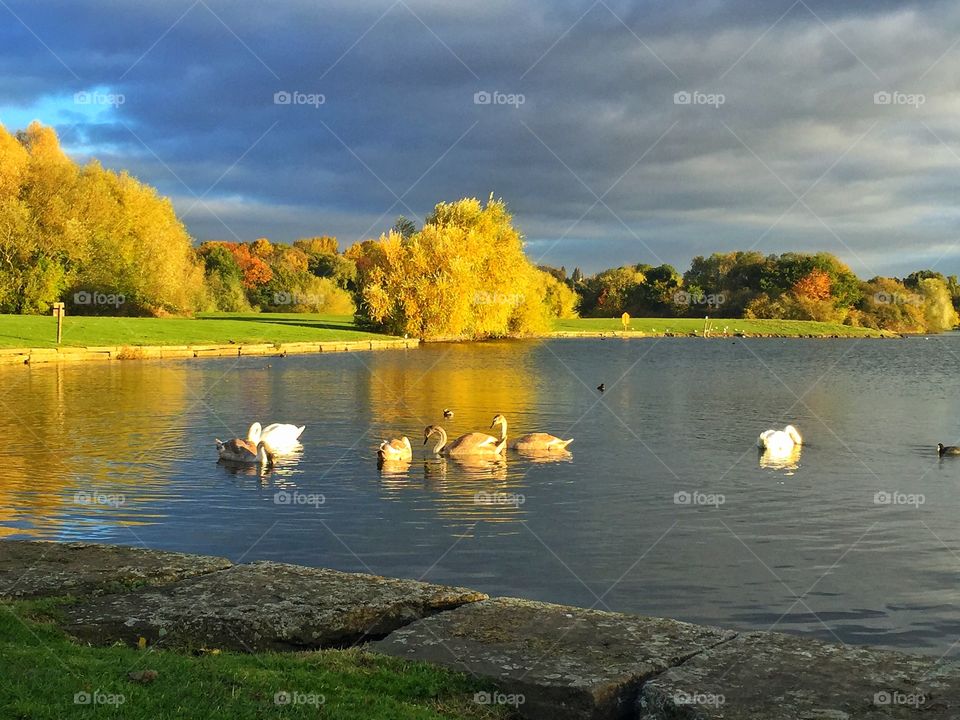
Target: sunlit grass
218 328
48 676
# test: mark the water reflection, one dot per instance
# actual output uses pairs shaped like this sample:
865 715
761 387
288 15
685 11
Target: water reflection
546 456
789 461
124 453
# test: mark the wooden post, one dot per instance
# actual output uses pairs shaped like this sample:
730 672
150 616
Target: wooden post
58 313
705 321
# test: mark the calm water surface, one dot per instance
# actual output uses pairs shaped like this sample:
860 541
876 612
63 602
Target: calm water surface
124 453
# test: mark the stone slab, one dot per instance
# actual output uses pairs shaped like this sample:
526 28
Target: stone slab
761 675
565 662
263 349
263 606
30 569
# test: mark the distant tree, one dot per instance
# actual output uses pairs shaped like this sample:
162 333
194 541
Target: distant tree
321 245
559 273
815 285
577 276
404 227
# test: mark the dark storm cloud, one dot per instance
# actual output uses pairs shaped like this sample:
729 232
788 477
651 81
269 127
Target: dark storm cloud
600 163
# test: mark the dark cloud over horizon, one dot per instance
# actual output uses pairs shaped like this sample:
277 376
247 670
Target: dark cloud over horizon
600 163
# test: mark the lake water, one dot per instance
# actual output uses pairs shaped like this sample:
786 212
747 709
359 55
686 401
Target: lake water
663 507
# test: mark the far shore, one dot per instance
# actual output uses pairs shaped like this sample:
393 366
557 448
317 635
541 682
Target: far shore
31 339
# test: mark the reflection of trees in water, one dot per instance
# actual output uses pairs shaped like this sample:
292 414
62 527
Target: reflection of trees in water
79 435
468 489
477 381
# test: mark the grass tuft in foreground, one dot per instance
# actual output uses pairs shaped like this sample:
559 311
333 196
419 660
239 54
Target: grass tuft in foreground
46 675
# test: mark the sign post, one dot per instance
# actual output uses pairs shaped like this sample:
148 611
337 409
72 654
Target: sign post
625 319
58 313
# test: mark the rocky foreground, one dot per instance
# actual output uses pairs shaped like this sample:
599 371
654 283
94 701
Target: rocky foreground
548 661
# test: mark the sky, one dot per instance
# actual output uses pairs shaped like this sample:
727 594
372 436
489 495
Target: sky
617 132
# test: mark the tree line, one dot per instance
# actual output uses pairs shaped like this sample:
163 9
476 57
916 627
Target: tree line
793 286
105 243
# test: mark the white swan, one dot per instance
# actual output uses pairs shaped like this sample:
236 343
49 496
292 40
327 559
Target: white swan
243 451
780 442
278 437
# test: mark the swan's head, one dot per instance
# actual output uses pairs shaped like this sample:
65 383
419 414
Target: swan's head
428 431
939 448
498 420
794 434
253 434
264 454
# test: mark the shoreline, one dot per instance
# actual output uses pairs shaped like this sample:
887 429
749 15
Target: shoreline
36 356
556 662
639 334
93 353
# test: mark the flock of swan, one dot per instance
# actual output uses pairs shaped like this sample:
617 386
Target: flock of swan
263 443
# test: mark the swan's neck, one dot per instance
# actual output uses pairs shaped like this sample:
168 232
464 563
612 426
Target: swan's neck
253 434
503 429
441 442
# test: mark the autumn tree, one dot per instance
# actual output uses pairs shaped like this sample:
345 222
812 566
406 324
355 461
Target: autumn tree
464 274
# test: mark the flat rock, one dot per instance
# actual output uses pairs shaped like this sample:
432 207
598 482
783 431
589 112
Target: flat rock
565 662
761 675
30 569
264 606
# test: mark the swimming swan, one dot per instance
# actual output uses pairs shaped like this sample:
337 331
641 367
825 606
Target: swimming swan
279 437
470 444
244 451
395 450
531 442
779 441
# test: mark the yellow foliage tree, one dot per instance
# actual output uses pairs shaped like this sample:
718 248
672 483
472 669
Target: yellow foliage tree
463 275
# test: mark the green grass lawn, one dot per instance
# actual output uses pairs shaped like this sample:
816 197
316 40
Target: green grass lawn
684 326
45 673
41 331
220 328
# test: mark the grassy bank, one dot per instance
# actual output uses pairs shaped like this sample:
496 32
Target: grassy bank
685 326
40 331
36 331
47 675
